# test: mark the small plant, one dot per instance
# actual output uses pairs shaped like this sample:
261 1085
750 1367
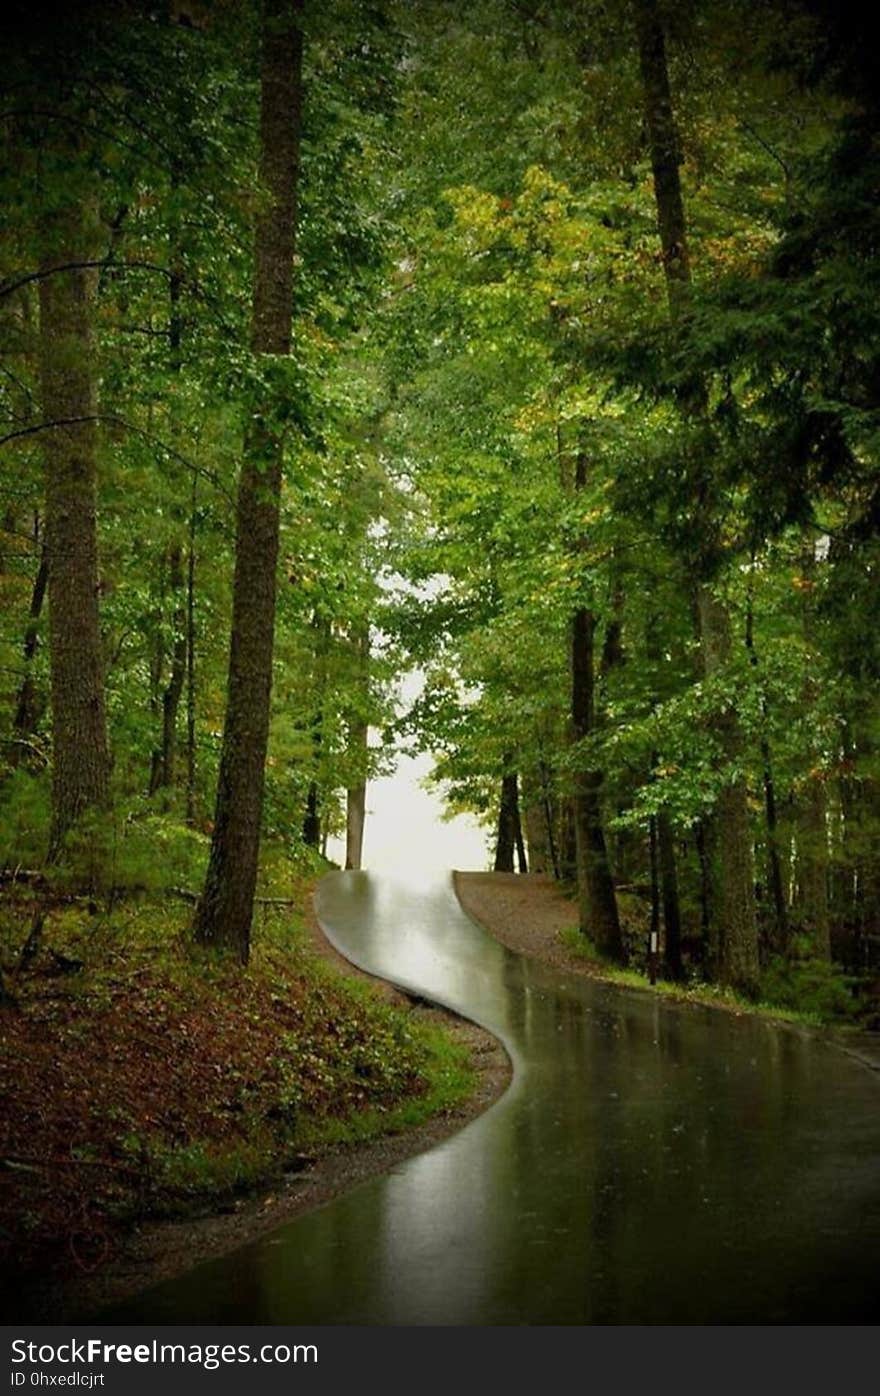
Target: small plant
809 985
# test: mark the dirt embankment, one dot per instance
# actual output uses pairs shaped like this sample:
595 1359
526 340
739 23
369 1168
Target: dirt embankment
524 913
157 1250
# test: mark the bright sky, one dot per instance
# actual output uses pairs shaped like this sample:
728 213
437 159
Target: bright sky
405 833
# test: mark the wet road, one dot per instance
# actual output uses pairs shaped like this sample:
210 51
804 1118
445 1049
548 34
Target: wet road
650 1163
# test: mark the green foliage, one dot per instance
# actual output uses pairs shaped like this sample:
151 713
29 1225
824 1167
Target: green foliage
809 985
24 819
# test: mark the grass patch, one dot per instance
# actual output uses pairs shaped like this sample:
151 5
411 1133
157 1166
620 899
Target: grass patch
713 995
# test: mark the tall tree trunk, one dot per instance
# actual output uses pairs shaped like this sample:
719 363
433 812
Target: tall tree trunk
669 896
774 860
813 837
358 736
191 658
567 841
738 933
174 688
165 772
508 819
537 828
223 918
667 871
355 819
68 378
157 669
813 865
597 899
311 829
522 862
29 704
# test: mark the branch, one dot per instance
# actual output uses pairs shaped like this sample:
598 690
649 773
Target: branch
8 287
766 146
115 420
189 896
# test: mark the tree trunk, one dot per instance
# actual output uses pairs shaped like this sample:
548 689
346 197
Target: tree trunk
29 704
191 659
174 689
358 737
669 896
165 768
224 915
508 820
665 155
597 900
665 849
68 377
774 861
813 846
738 932
311 828
813 866
355 818
522 863
537 829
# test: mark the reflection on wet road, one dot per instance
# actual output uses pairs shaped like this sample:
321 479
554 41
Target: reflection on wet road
651 1163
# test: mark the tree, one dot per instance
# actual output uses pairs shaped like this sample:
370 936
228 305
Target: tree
223 919
737 926
68 379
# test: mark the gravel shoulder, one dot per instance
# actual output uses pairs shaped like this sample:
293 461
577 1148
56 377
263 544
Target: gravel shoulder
528 912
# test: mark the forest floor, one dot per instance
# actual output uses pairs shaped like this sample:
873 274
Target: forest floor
158 1111
531 914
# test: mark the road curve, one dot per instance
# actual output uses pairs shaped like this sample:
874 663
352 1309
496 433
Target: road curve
650 1163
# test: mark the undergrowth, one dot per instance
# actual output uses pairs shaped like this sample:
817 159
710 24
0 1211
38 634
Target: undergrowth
805 991
140 1077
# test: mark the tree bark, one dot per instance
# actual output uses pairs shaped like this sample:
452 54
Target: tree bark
165 769
669 896
358 736
813 839
537 828
813 866
355 819
29 704
597 899
68 378
311 828
191 659
774 861
737 932
174 688
223 918
508 819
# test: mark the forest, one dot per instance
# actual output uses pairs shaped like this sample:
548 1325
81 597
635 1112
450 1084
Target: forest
528 344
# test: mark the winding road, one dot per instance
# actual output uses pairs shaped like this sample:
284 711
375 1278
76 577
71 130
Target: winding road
650 1163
